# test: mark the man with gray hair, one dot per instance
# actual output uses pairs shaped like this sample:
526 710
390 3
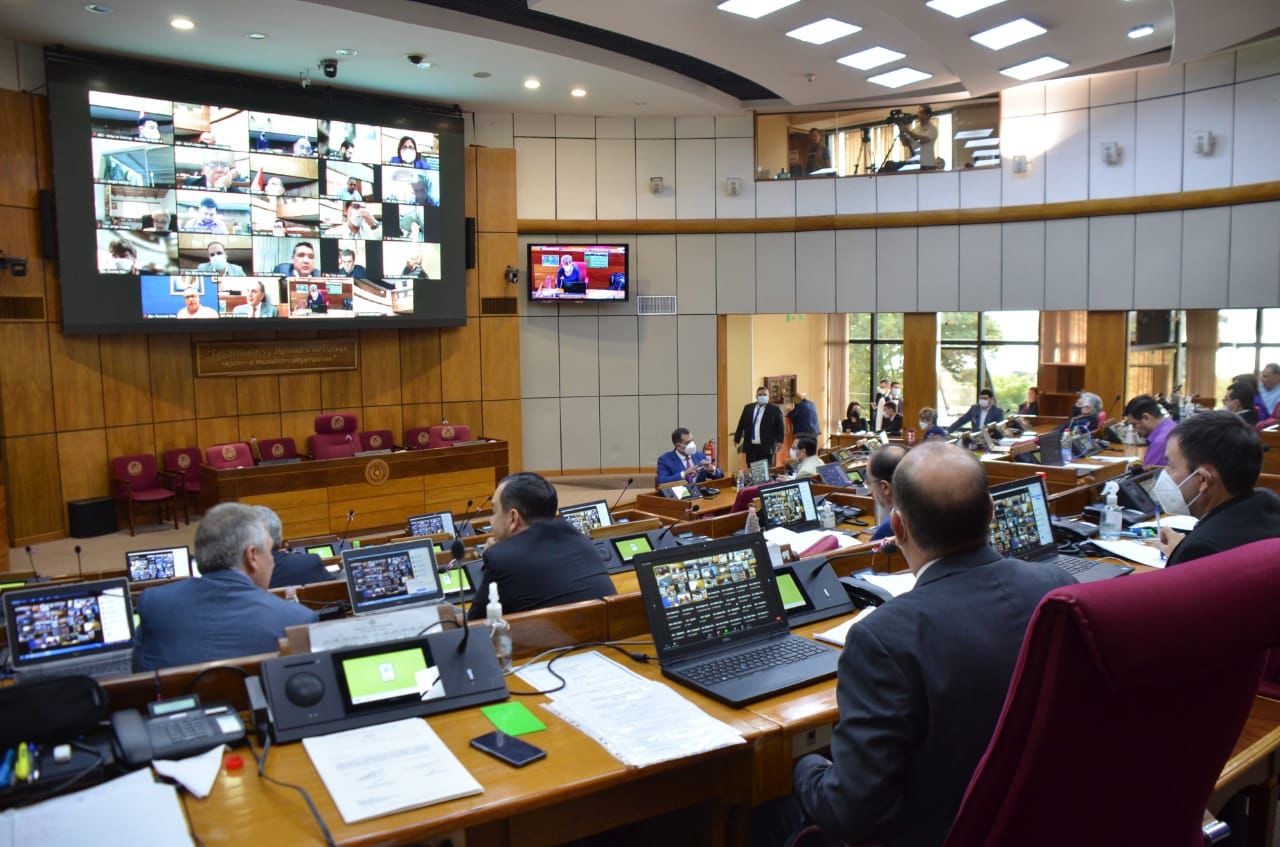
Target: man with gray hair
293 567
225 613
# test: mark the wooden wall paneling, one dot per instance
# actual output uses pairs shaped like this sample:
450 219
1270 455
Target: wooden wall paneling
380 367
266 425
34 488
170 435
173 394
460 362
130 440
471 414
44 150
300 425
216 397
26 398
499 347
383 417
52 293
502 419
77 380
211 431
83 464
494 252
420 365
421 414
1202 352
1105 357
18 157
495 190
299 391
21 228
469 179
126 379
257 395
339 389
919 364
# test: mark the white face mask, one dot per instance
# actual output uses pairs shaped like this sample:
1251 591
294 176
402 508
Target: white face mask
218 262
1169 494
795 454
983 402
895 393
762 399
690 448
124 264
924 426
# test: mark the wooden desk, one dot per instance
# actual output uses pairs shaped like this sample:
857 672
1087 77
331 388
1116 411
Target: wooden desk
313 497
656 504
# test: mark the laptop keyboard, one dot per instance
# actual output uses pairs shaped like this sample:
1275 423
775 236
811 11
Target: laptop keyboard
771 655
119 664
1073 564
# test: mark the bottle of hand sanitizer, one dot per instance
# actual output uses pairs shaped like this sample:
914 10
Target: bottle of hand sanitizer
499 629
1112 517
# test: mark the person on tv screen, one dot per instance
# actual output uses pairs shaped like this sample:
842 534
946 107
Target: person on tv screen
149 130
352 191
413 267
258 305
159 222
192 307
357 222
218 263
569 272
274 187
217 172
124 258
316 301
302 147
277 228
345 150
206 219
409 154
347 265
303 264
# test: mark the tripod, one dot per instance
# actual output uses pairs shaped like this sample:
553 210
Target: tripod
864 153
896 139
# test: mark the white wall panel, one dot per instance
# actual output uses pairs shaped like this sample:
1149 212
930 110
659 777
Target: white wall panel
1022 100
1111 262
1206 240
620 436
535 177
735 157
1063 95
938 269
575 126
658 354
1157 261
897 192
1258 60
979 189
980 267
735 273
619 354
1022 266
579 356
1213 110
775 272
494 129
815 197
615 128
695 186
696 273
815 272
735 126
655 265
896 262
539 357
697 414
658 416
855 195
696 345
1107 89
1159 81
696 126
775 198
1255 255
655 157
1107 124
1022 137
615 179
1158 146
535 126
1257 125
575 178
1066 167
655 127
618 307
856 270
540 426
1211 71
1066 264
580 433
937 190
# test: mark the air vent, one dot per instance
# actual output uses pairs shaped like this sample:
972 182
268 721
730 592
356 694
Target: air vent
22 308
663 304
498 306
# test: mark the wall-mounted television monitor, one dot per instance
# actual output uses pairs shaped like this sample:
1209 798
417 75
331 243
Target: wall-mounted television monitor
191 200
594 273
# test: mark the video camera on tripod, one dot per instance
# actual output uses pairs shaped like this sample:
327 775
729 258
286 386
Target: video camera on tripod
899 117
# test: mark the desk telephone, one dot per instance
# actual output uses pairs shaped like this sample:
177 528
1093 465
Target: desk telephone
174 729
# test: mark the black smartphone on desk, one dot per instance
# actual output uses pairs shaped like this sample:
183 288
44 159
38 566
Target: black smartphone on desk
511 750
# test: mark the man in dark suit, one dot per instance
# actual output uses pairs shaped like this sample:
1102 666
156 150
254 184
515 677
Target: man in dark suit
225 613
293 567
804 418
922 681
1213 460
760 428
980 414
686 461
537 559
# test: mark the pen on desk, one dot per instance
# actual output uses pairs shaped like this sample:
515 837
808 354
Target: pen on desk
6 768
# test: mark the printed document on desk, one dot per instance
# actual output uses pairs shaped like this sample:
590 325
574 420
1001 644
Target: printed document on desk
838 634
799 541
1134 551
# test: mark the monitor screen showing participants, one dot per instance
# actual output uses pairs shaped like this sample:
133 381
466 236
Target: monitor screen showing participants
167 563
324 551
210 198
787 504
1020 523
578 272
759 471
50 623
431 524
390 576
587 516
833 474
630 546
455 581
372 677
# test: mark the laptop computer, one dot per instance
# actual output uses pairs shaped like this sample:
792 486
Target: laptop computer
75 629
788 504
719 622
587 515
163 563
679 490
431 523
835 475
758 471
1021 529
391 576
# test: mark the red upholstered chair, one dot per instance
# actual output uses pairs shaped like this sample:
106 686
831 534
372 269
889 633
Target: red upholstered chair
823 545
1270 686
184 463
277 449
335 436
417 438
136 479
744 498
1134 690
377 439
226 456
445 434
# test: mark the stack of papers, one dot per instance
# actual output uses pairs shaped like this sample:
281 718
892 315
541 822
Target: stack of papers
638 721
801 541
896 584
391 625
1134 551
153 817
1181 523
838 635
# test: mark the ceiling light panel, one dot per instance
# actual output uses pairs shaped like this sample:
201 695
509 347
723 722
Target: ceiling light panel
979 154
972 133
1006 35
824 31
898 78
1141 31
960 8
754 9
1034 68
872 57
987 163
981 142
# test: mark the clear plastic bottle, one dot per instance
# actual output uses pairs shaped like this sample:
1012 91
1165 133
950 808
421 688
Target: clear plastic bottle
753 520
499 629
827 515
1066 446
1112 516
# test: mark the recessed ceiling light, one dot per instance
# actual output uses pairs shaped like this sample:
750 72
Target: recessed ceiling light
987 163
344 51
827 29
980 154
1005 35
754 8
579 92
898 78
872 57
532 83
98 8
972 133
482 74
182 23
960 8
1141 31
1034 68
257 36
982 142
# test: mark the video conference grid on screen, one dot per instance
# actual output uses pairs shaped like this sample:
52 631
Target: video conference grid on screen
63 625
389 577
1020 520
578 272
711 597
226 212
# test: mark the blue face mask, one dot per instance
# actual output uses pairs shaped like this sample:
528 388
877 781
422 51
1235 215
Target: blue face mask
762 399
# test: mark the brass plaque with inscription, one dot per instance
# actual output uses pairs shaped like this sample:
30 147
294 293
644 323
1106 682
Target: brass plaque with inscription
291 355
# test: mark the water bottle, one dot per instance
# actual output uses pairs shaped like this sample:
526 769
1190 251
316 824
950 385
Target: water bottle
828 515
1112 517
753 520
1066 447
499 629
741 478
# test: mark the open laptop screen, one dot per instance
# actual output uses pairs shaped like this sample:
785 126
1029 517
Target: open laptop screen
587 516
62 622
391 576
166 563
834 475
1020 525
431 524
759 471
789 504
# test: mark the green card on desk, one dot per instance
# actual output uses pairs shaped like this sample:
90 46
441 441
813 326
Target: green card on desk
513 718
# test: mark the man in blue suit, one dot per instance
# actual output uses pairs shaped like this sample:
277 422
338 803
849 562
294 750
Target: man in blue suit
225 613
984 412
293 567
685 461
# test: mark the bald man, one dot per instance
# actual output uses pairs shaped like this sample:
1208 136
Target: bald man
922 681
879 473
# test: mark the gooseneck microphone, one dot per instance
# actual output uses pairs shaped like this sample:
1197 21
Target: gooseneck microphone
31 560
466 529
625 488
342 541
79 564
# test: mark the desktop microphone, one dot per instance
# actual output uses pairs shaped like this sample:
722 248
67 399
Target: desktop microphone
466 529
31 560
630 480
342 541
688 515
79 564
458 551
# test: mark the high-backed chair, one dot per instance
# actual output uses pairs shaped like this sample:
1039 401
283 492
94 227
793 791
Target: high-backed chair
1135 690
184 463
335 436
443 434
136 479
226 456
744 498
277 449
377 439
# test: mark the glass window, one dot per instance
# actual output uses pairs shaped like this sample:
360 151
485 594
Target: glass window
958 326
860 373
860 326
996 350
875 353
1242 334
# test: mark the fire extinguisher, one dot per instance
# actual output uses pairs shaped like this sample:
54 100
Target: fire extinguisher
710 449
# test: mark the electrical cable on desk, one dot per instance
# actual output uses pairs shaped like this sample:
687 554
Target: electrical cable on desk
56 789
560 652
432 626
191 683
262 766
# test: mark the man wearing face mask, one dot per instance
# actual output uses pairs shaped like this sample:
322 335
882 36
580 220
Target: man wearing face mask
1213 462
929 424
805 451
884 461
686 461
985 411
890 420
1239 400
1148 419
218 263
760 429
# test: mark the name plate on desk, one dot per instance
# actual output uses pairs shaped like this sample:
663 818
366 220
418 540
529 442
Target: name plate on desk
290 355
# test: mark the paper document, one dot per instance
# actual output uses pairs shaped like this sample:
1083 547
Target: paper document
1181 523
896 584
373 629
1134 551
801 541
194 773
838 635
388 768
